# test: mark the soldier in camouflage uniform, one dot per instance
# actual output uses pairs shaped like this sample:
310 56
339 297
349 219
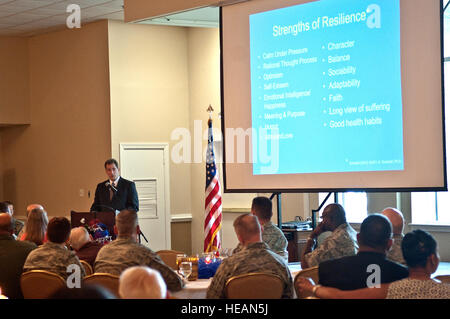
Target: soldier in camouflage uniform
255 257
271 234
396 254
396 218
342 241
125 252
54 256
275 239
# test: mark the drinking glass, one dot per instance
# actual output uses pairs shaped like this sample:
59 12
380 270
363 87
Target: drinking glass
185 269
180 259
226 252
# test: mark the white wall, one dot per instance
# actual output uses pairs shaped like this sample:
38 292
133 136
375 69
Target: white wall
150 94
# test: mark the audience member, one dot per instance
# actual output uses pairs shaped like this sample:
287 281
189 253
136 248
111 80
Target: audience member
4 208
141 282
18 224
271 234
421 255
29 209
54 256
86 291
352 272
125 252
33 206
85 248
396 218
340 243
13 254
36 227
255 257
10 206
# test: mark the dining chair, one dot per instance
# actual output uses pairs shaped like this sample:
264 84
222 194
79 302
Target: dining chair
169 257
87 267
313 273
40 284
108 281
254 286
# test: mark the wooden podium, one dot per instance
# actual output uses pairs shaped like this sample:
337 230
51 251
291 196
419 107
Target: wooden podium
296 242
107 218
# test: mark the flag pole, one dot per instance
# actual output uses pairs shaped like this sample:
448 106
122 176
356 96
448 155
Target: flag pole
210 110
213 198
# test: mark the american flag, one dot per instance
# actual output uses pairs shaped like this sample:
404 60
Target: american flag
213 198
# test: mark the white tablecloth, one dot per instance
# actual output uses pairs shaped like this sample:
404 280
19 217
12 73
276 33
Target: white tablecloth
197 289
193 289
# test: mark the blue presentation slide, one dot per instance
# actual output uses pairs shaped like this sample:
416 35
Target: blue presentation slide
326 90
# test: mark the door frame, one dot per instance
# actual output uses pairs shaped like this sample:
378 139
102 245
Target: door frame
165 148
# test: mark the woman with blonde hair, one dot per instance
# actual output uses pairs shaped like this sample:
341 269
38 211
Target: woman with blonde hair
36 227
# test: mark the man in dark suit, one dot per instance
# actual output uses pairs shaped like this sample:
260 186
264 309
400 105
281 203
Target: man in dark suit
13 254
370 266
116 193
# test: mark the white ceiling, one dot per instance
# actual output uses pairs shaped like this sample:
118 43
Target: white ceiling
204 17
30 17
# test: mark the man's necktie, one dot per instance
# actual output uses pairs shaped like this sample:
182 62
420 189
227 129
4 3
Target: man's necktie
111 193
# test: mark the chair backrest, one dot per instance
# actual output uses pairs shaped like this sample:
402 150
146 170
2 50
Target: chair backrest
169 257
254 286
87 267
312 273
443 278
108 281
40 284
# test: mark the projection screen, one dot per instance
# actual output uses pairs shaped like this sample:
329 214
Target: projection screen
332 96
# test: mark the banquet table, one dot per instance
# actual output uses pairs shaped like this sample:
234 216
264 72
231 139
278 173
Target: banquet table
194 289
197 289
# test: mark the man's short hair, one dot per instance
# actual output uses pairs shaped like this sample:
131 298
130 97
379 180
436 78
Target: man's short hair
375 231
141 282
8 226
58 230
247 225
417 246
111 161
79 236
262 206
126 222
4 208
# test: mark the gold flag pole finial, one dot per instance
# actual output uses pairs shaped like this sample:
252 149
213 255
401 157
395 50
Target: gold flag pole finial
210 110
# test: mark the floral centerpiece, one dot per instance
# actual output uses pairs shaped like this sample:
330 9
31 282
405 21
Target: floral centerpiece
207 265
97 230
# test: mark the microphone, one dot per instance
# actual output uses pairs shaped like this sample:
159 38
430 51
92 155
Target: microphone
142 234
111 185
108 207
